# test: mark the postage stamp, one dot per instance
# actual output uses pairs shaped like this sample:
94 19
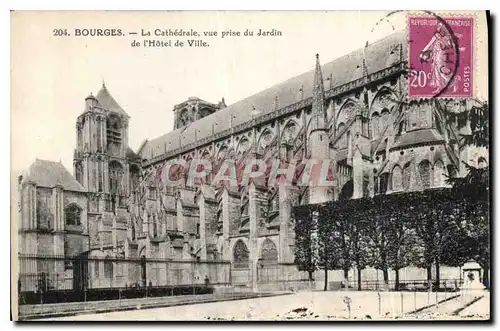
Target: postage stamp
441 51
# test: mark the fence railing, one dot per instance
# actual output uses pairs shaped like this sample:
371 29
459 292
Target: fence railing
44 274
449 285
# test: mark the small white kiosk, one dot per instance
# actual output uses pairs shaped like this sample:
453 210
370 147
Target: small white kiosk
471 273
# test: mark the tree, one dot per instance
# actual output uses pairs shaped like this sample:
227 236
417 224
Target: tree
328 243
471 219
360 245
306 240
403 247
342 228
378 243
472 115
473 228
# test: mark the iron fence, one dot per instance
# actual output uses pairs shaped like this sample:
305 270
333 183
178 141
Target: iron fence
76 278
448 285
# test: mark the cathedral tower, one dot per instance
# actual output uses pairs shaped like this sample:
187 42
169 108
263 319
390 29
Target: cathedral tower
100 160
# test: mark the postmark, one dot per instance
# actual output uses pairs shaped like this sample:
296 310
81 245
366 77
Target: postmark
441 51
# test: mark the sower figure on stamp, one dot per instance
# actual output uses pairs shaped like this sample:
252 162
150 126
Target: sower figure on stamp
439 53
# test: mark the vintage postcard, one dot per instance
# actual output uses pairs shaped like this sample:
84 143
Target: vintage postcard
229 166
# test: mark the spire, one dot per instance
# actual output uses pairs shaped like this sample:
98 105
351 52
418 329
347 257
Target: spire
318 94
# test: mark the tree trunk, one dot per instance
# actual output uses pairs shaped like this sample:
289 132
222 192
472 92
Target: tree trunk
429 273
346 277
386 278
396 286
326 279
486 276
438 278
359 279
310 274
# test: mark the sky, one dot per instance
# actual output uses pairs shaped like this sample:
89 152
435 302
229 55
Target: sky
52 75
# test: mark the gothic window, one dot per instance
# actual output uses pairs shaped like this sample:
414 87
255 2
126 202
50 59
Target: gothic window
424 171
347 112
73 215
343 139
222 152
268 252
185 117
265 140
243 146
439 173
79 173
384 119
383 181
205 112
114 134
375 124
406 176
289 132
397 178
44 216
115 177
241 255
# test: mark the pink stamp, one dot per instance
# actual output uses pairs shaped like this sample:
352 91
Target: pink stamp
441 56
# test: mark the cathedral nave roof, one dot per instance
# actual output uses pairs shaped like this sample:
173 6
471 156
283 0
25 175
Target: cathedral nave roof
342 70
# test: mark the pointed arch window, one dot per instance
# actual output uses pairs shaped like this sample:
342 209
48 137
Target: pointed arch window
424 171
241 255
73 215
268 252
397 178
115 177
406 177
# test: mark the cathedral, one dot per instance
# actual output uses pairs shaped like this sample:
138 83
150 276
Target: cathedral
354 110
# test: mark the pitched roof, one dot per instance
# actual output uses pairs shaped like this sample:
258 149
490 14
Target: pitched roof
49 174
378 56
107 102
417 137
